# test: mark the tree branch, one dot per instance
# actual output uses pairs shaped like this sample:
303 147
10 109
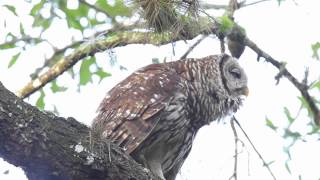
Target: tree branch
218 6
117 40
49 147
303 88
184 56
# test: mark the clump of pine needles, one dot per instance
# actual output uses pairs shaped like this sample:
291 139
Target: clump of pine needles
176 16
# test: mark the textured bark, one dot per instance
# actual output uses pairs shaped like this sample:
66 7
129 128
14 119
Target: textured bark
49 147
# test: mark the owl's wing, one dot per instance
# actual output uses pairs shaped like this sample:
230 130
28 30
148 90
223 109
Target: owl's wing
131 109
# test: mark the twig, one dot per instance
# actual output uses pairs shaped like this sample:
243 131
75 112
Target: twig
218 6
212 6
98 9
255 149
303 88
235 167
53 58
193 46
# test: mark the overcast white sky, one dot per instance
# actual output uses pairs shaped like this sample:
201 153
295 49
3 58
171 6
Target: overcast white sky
285 32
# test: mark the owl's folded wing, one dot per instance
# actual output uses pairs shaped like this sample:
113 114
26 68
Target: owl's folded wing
131 109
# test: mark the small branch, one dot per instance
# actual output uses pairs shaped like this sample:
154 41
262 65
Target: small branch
254 3
212 6
235 167
303 88
184 56
219 7
50 61
255 149
98 9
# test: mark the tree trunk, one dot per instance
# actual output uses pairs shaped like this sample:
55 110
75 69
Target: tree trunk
49 147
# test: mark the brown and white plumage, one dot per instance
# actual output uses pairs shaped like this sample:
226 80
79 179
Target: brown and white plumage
155 113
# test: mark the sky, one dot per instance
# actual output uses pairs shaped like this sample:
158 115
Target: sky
286 32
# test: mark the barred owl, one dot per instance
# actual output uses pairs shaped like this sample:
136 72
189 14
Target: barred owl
155 113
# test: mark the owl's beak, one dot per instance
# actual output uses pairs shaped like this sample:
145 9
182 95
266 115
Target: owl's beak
245 91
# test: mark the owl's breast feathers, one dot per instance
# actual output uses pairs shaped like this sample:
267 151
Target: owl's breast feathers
131 109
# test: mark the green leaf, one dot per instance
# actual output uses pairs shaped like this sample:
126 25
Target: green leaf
36 8
74 15
7 46
287 113
316 85
315 47
225 23
72 22
289 133
11 8
102 74
270 124
119 8
13 60
85 74
21 29
56 88
40 102
40 21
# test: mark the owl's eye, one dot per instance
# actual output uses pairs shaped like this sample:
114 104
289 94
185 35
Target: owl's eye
235 72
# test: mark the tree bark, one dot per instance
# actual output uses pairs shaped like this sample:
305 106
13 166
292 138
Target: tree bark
48 147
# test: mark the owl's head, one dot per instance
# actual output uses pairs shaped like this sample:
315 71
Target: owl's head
234 78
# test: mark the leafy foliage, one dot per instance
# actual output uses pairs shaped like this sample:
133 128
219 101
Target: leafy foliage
226 23
270 124
86 73
11 8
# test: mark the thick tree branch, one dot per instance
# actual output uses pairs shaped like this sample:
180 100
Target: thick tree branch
50 147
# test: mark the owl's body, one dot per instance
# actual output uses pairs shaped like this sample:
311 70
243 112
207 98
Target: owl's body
155 113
